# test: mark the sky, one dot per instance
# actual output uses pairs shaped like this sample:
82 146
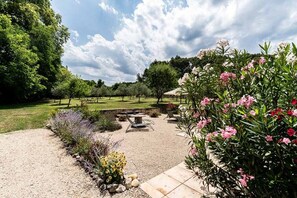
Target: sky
113 40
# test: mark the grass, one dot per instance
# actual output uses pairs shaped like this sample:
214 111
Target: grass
35 115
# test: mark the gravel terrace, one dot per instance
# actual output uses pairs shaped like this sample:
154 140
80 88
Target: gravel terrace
33 163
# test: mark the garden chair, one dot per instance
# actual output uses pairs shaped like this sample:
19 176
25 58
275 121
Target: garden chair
145 123
171 116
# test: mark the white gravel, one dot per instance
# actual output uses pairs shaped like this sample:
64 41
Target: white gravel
33 163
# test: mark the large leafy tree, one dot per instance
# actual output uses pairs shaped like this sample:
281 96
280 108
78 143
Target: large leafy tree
18 64
161 77
31 25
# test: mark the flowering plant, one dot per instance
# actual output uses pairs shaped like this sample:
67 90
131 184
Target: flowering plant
111 167
243 128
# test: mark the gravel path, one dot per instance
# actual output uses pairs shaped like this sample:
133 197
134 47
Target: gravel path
150 153
34 164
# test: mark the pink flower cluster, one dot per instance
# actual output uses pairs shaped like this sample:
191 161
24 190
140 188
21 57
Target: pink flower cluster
202 123
244 177
205 101
209 136
226 76
227 107
249 66
262 60
246 101
228 132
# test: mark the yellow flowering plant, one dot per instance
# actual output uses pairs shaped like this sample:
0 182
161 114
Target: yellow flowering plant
111 167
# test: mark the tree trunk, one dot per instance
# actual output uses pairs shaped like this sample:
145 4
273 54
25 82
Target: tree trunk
138 99
60 101
97 99
122 98
158 100
69 102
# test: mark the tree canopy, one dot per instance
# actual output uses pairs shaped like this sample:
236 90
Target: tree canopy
31 46
161 77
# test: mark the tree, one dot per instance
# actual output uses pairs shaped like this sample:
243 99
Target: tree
161 78
60 91
140 89
32 39
19 79
122 91
100 83
103 91
76 87
95 92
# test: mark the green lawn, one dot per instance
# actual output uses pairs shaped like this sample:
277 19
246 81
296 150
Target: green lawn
35 115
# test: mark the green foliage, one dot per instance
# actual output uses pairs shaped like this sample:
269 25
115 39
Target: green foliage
18 64
111 167
161 78
108 124
242 122
31 45
140 89
122 91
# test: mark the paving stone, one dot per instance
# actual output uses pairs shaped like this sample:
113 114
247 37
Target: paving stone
179 173
184 192
163 183
197 185
151 191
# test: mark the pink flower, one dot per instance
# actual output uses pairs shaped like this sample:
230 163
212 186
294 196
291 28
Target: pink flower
244 116
291 132
226 76
228 132
205 101
244 177
249 66
252 112
193 151
294 112
262 60
201 124
196 115
243 182
286 141
268 138
246 101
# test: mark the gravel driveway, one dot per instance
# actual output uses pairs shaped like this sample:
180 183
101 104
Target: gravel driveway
34 164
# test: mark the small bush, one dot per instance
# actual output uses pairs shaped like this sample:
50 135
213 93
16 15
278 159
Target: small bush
105 124
111 167
154 114
122 118
83 147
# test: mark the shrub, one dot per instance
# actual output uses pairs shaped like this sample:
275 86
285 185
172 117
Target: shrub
243 122
83 147
154 114
111 167
106 124
71 126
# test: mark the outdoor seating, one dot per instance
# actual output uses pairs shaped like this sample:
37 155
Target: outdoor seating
170 116
139 123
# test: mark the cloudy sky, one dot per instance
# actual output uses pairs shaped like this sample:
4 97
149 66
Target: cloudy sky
113 40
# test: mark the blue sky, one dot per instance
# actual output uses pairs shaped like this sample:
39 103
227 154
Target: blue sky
113 40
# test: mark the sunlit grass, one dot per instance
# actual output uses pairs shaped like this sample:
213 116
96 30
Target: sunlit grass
35 115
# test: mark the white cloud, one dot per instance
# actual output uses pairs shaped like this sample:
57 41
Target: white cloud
107 8
74 35
77 1
162 29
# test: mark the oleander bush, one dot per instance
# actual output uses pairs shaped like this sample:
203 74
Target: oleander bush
243 120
